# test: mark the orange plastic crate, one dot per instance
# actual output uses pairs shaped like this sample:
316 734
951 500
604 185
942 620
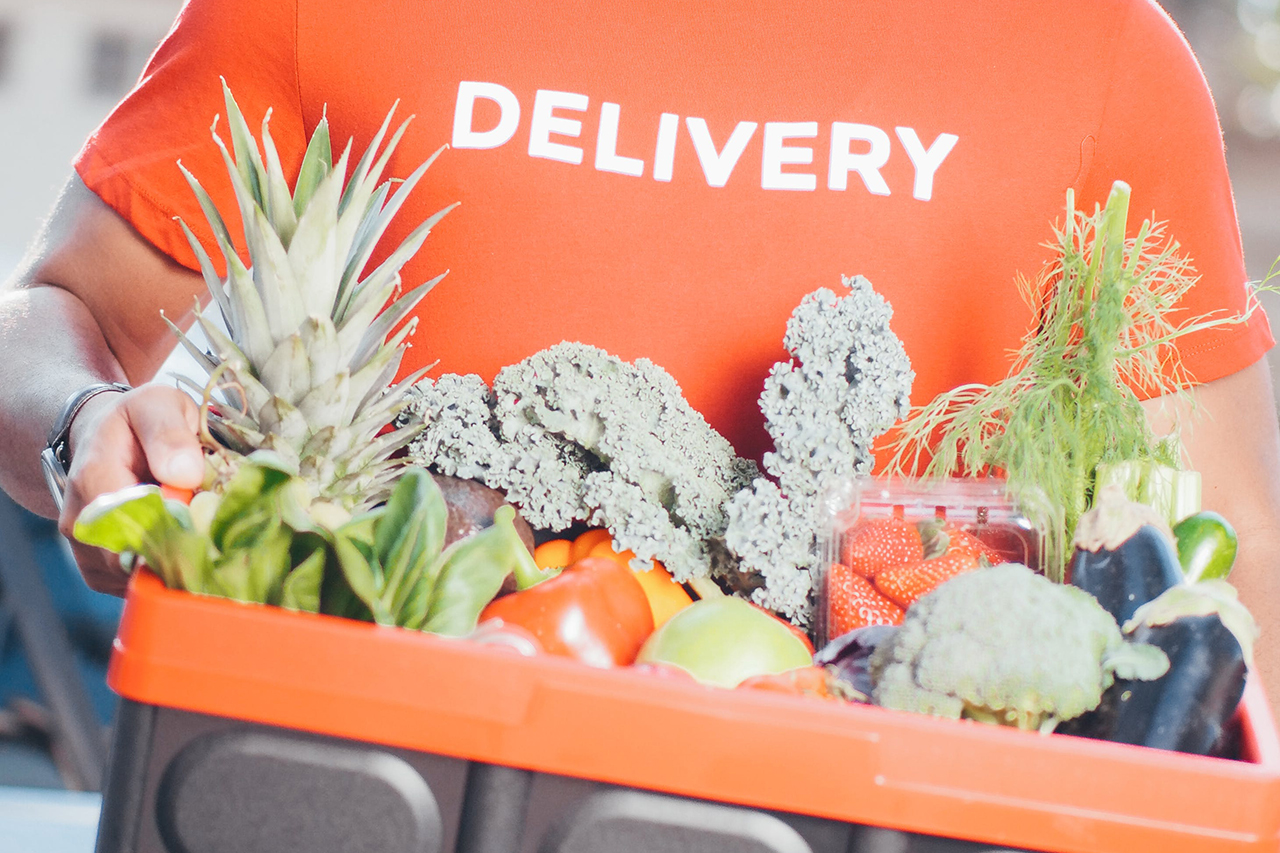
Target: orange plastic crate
831 760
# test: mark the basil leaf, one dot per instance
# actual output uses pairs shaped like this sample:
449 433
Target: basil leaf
301 590
468 575
363 575
121 520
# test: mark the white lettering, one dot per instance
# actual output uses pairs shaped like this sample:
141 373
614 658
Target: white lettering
464 136
607 159
866 164
718 165
664 154
925 161
777 154
544 123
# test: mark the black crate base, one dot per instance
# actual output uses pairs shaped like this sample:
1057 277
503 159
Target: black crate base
181 782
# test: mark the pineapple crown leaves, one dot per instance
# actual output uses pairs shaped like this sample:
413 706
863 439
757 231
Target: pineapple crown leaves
312 346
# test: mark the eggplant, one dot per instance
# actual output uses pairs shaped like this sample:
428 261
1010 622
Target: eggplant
848 657
1208 637
1124 554
1188 708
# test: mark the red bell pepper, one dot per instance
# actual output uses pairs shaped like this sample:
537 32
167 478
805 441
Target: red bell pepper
594 611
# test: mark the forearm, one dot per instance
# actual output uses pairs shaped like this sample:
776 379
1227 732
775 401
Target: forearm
50 346
1256 578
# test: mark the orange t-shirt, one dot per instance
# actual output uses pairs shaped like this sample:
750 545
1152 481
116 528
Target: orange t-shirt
666 179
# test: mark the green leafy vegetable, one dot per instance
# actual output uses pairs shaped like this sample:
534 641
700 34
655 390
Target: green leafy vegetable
1106 332
262 542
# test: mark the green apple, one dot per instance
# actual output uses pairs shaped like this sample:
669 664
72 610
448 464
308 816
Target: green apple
725 640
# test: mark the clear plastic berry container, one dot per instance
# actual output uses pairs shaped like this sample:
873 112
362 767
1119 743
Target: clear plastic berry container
891 541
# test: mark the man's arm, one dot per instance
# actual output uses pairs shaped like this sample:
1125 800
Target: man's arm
83 308
1233 440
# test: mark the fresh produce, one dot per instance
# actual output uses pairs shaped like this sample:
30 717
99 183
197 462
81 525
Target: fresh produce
905 585
594 611
314 343
847 659
1005 645
553 554
1206 546
1124 554
940 536
259 542
297 410
664 594
395 563
471 509
586 542
803 681
888 563
666 597
1171 492
1208 636
853 602
881 543
724 641
1106 329
573 434
849 380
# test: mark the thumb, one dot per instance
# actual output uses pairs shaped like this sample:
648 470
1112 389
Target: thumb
164 421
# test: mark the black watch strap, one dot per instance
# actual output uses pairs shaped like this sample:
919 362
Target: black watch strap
55 460
61 429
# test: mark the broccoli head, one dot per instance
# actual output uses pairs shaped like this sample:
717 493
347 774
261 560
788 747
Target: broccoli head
1006 645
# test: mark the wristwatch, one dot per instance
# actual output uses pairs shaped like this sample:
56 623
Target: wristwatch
55 458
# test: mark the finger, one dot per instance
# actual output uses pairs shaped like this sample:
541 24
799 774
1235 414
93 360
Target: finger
164 422
101 569
106 460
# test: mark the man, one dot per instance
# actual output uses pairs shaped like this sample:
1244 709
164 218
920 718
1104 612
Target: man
659 182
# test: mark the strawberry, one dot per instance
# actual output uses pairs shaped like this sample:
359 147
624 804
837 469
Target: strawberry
852 602
949 537
877 544
905 585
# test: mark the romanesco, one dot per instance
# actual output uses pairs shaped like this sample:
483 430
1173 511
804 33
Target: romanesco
849 382
1006 645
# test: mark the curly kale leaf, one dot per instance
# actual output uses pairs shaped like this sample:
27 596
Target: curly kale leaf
573 434
848 382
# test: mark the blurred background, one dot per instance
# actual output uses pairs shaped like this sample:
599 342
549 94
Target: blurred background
63 65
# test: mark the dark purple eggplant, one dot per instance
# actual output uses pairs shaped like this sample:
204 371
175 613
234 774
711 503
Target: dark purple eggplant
1208 637
1124 555
1186 709
848 657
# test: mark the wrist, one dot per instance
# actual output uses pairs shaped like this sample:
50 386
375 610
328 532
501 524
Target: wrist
83 420
55 460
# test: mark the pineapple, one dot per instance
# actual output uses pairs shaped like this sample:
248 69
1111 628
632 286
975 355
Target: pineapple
307 369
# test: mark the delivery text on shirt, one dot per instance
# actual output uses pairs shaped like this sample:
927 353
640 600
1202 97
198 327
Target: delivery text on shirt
859 149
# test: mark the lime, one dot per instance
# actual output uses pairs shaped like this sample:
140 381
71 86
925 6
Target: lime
1206 546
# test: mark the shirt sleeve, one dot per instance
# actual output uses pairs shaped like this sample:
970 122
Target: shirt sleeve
1159 133
131 160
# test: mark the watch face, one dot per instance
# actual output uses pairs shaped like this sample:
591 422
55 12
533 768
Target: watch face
55 476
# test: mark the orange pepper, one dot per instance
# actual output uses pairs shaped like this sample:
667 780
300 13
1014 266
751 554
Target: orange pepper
804 681
553 554
584 543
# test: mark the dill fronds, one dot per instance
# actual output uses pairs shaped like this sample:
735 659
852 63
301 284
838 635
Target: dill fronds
1105 333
